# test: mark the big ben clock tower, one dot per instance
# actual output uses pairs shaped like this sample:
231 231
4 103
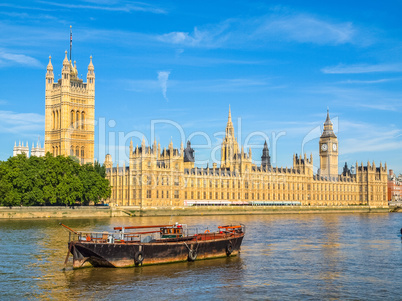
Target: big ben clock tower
328 150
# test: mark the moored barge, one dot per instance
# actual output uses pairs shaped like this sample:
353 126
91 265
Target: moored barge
147 245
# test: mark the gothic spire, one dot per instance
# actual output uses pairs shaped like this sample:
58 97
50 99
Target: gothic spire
65 61
229 126
328 120
50 66
328 127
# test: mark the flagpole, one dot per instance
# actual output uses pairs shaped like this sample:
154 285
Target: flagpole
71 41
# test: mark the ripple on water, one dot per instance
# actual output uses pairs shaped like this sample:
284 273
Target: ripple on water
321 256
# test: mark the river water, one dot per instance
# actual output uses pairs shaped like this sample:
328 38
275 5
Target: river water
306 256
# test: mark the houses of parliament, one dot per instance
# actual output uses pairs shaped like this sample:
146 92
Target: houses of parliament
168 177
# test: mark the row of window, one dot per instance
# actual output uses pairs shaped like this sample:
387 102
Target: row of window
77 151
161 194
226 184
77 119
56 117
56 151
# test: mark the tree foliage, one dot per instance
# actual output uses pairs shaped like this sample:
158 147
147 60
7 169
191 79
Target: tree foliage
51 181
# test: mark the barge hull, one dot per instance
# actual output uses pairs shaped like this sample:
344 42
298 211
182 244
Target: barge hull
135 254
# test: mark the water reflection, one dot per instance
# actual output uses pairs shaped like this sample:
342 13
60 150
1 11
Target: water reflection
344 256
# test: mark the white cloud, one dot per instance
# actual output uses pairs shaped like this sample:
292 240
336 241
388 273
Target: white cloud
368 137
21 123
307 29
7 58
362 68
212 85
163 77
360 97
210 37
281 28
369 82
120 6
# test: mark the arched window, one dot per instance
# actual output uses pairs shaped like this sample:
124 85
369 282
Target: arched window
60 119
72 151
57 120
72 118
53 121
82 152
82 120
53 151
57 151
77 125
77 152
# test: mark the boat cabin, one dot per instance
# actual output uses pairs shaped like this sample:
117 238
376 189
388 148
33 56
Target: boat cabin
172 232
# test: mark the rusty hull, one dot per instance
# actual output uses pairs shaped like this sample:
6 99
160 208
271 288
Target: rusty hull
157 252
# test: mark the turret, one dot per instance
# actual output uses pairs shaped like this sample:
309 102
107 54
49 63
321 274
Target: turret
266 159
49 75
65 73
91 77
171 147
189 153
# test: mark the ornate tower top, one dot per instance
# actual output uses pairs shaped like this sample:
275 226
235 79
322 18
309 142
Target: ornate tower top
90 66
66 63
265 158
229 126
230 148
328 128
50 66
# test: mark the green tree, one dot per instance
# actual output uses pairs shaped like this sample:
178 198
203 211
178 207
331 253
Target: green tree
100 169
50 181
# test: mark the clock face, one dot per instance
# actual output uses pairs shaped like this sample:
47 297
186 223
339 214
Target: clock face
324 147
334 147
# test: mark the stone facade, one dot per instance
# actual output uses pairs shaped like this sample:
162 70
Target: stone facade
70 112
168 178
37 151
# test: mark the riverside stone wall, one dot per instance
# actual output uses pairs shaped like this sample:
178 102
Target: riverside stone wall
92 211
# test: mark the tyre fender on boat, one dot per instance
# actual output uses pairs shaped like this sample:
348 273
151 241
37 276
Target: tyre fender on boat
229 248
192 255
139 257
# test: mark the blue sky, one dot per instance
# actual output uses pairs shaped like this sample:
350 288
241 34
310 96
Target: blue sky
179 64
